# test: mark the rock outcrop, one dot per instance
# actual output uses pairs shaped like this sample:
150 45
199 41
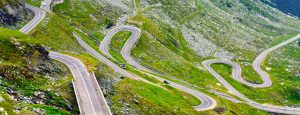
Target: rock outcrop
11 11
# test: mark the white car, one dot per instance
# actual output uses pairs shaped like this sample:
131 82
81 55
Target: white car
44 3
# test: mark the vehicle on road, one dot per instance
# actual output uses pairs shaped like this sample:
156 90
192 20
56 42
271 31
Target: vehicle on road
122 77
166 82
123 66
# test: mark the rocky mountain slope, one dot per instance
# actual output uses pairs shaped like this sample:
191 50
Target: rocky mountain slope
177 35
30 80
11 11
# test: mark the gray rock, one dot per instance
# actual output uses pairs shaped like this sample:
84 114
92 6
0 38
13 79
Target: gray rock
136 101
39 111
11 11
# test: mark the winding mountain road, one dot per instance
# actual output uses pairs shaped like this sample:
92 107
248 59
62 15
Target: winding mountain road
259 60
39 16
207 102
88 93
87 90
237 75
101 58
237 71
46 4
104 46
271 108
130 43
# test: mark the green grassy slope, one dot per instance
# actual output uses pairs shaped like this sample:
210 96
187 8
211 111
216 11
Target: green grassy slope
20 66
182 35
178 57
120 37
55 32
248 37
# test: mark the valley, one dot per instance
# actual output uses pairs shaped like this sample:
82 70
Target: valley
155 57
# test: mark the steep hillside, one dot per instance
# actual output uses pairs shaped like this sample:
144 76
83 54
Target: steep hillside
11 11
185 33
230 29
13 14
177 36
224 29
30 81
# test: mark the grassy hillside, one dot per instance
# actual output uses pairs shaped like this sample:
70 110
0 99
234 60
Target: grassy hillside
209 35
21 64
183 40
55 33
12 14
176 37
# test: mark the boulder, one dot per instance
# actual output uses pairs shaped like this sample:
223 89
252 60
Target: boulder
220 110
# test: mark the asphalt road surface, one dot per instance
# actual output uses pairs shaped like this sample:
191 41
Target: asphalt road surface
207 102
90 98
39 16
87 90
267 82
46 4
129 45
104 46
101 58
88 93
237 74
259 59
